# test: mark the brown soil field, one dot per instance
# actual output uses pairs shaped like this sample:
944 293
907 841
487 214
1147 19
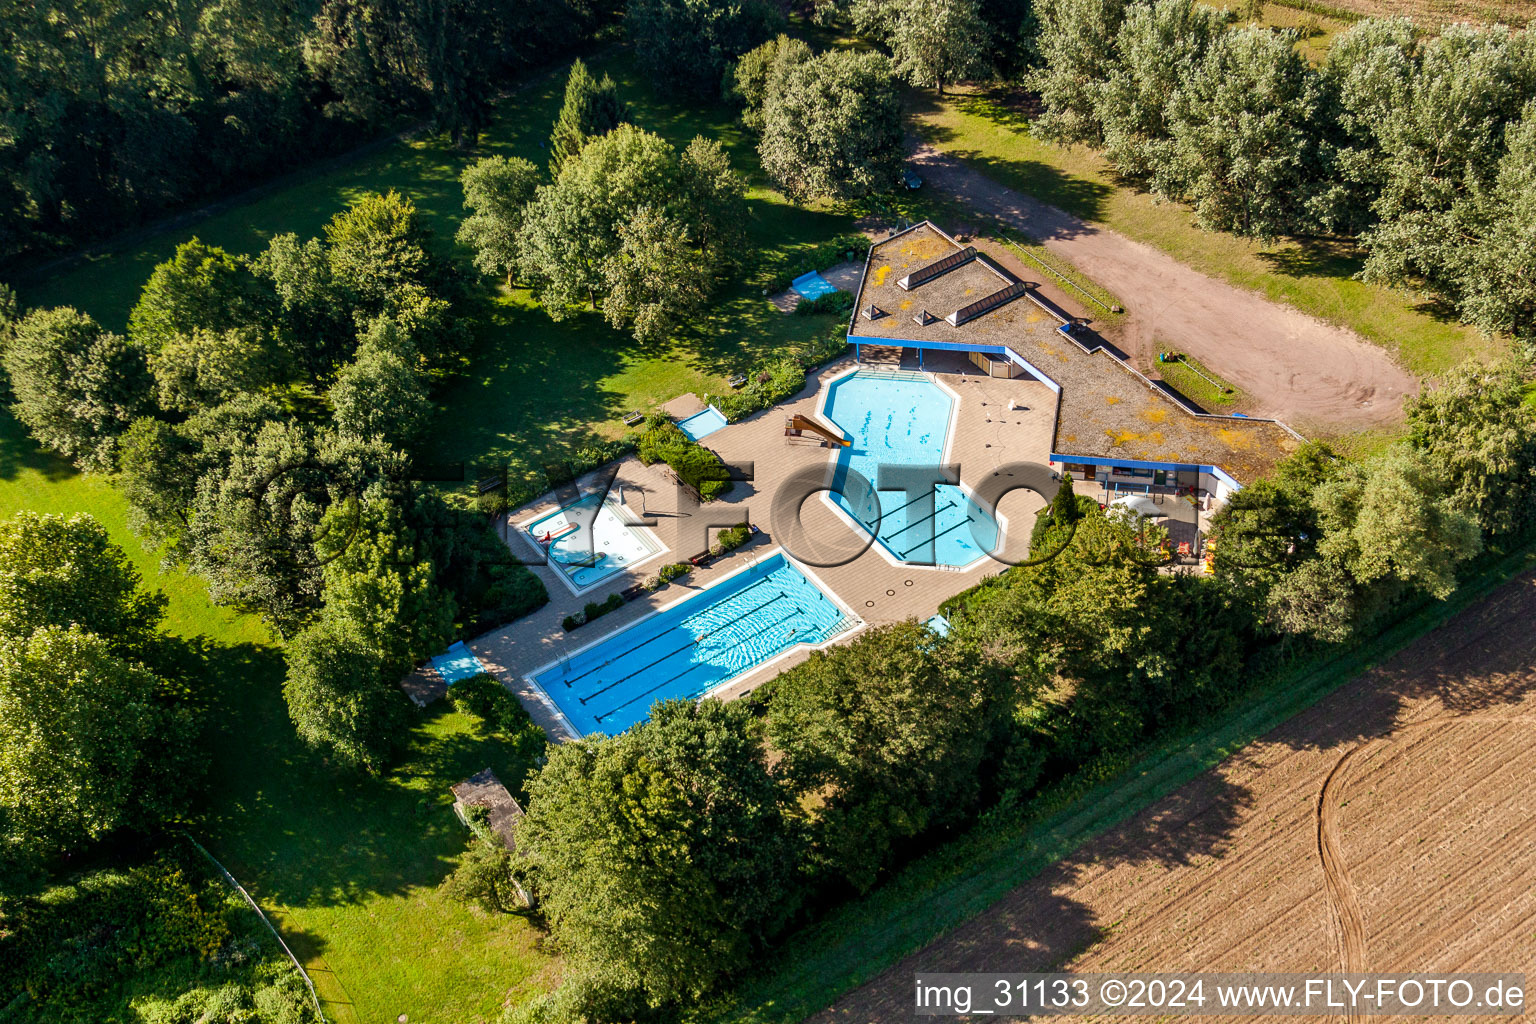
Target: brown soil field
1431 14
1391 827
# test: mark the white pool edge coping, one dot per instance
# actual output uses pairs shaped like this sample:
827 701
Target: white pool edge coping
949 439
520 528
858 624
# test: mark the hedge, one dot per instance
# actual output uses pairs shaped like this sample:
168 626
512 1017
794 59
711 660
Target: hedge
832 302
695 465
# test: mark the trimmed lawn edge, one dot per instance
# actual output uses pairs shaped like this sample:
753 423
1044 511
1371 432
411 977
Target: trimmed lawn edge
937 893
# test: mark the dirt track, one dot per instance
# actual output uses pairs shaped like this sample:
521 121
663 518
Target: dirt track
1293 366
1392 827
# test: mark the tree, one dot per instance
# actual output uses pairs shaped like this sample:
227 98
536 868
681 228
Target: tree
88 742
496 189
1498 284
687 44
656 278
378 581
257 516
200 287
931 41
207 368
339 698
663 857
1243 129
57 571
313 322
1366 76
1392 519
76 386
890 731
1442 145
380 396
713 198
1076 55
591 108
1476 428
483 878
572 226
1158 44
751 78
832 127
379 252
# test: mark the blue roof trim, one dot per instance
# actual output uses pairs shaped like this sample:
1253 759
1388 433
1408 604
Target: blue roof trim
956 346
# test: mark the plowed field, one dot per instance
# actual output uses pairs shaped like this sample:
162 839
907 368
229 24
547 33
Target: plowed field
1391 827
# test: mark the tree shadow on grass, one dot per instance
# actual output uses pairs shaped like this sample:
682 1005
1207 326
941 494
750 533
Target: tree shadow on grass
1315 257
301 831
19 453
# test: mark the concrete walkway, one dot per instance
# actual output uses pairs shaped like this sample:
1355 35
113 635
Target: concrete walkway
986 435
1294 367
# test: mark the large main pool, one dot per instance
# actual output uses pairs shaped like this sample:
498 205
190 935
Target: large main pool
897 418
692 647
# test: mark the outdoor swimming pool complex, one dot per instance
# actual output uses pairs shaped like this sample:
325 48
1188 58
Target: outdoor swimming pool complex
896 418
589 540
693 646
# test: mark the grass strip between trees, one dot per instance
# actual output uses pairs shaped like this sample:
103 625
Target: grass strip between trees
973 871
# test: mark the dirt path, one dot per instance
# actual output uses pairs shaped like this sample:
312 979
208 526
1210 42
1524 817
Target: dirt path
1294 367
1391 827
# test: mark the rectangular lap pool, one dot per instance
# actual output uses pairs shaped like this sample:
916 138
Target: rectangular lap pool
589 540
899 418
692 647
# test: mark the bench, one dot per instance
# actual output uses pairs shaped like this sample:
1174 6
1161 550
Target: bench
634 417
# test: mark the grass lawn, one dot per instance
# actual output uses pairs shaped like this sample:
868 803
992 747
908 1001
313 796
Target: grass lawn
992 134
350 867
1195 380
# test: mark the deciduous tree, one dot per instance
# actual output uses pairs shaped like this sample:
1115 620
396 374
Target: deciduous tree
339 698
832 127
496 190
663 857
76 386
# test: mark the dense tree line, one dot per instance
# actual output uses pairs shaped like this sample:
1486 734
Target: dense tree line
115 112
668 856
258 414
1421 146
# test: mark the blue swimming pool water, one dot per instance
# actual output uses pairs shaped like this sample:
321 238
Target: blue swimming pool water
457 664
589 540
702 424
898 418
812 285
692 647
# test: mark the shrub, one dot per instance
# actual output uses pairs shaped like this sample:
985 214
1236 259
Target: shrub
593 610
730 540
668 573
834 250
832 302
483 878
695 465
485 698
780 377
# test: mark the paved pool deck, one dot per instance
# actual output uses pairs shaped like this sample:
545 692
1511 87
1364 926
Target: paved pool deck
986 435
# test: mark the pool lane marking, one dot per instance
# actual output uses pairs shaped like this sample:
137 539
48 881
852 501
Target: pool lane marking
932 515
668 682
597 668
691 643
967 519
